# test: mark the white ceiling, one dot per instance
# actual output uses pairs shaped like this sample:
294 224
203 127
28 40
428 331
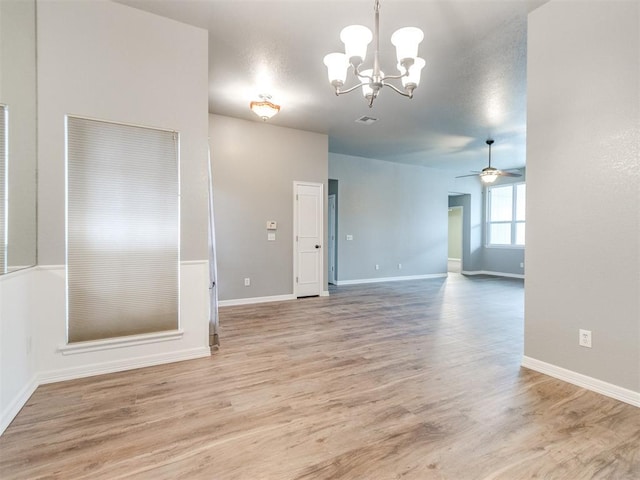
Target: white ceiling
474 85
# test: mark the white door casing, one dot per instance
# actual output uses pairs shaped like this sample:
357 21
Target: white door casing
308 264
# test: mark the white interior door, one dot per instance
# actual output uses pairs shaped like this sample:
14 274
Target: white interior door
308 257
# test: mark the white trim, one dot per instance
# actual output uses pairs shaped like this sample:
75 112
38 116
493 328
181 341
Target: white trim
15 273
52 376
16 405
454 259
194 262
495 274
252 300
505 247
125 124
513 222
325 293
584 381
390 279
119 342
52 267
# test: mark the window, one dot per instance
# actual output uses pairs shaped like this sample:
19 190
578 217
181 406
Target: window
123 230
506 215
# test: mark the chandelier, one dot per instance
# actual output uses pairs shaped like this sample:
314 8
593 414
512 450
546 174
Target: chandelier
355 39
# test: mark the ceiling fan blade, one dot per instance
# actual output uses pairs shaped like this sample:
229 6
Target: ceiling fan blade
472 175
508 174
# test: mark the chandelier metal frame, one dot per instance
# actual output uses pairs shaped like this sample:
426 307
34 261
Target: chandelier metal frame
373 80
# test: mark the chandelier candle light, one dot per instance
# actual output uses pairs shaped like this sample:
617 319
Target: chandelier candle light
355 39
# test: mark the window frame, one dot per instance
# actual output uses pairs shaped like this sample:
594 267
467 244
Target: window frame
513 222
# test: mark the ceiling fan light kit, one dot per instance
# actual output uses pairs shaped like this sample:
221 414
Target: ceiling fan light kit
355 39
490 174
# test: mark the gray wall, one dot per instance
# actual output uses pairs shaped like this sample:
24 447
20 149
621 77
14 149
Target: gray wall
254 166
158 83
583 211
396 213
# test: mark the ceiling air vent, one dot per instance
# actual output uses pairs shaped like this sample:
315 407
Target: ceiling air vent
365 120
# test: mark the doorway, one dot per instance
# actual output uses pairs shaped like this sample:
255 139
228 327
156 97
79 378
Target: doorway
454 256
331 238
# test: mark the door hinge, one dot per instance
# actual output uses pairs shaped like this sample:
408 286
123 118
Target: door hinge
296 238
297 280
296 196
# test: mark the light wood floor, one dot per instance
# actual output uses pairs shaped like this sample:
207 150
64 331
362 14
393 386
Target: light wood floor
413 380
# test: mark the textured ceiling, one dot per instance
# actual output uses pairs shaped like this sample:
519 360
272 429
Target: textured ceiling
473 87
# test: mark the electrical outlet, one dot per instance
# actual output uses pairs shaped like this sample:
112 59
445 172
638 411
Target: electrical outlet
585 338
377 267
349 237
521 264
247 282
399 266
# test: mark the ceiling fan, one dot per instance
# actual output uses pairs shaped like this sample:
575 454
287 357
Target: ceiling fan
490 174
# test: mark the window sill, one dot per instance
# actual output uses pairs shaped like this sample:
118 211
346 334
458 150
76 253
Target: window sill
506 247
111 343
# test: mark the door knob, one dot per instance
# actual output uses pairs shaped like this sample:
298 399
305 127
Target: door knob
317 246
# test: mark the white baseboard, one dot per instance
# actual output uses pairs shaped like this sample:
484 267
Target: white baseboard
90 370
495 274
454 260
325 293
584 381
390 279
18 402
52 267
252 300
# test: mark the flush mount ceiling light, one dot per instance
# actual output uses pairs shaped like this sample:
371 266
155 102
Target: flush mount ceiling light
355 39
264 108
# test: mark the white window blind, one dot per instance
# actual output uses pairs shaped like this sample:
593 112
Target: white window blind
123 230
4 184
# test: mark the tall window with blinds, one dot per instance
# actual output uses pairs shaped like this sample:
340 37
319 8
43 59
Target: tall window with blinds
123 230
506 215
4 184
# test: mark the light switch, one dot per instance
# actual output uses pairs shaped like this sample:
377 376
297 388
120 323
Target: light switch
272 225
349 237
271 237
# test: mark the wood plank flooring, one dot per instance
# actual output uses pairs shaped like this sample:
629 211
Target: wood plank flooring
402 380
